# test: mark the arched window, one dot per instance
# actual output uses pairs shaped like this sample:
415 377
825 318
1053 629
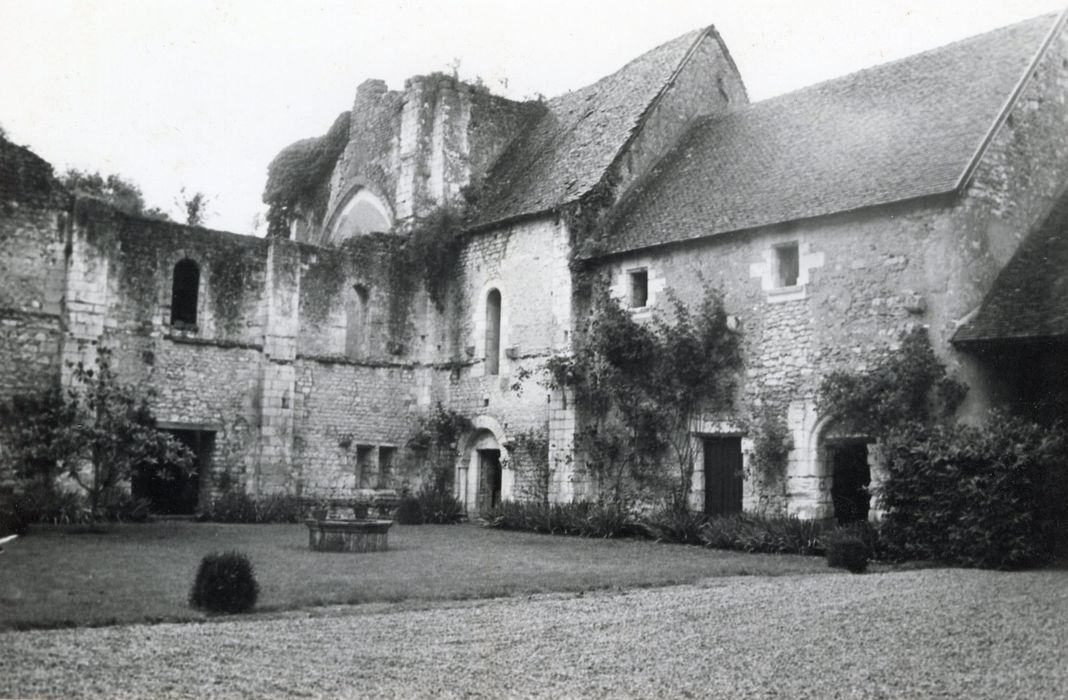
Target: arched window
184 293
356 321
493 332
364 213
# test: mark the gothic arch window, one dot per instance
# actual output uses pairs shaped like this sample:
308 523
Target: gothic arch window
356 321
493 332
363 213
184 293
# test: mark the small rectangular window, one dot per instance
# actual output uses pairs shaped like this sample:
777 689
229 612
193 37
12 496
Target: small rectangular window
639 288
385 466
365 476
787 259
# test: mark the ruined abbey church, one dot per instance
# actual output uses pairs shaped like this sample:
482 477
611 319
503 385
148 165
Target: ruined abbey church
928 192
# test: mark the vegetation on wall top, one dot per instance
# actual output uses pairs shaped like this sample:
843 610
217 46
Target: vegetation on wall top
298 177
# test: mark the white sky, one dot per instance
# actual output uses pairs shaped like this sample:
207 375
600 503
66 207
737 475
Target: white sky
203 93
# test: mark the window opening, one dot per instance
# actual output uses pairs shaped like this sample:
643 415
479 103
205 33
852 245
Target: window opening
493 332
386 456
788 264
184 291
639 288
365 476
356 321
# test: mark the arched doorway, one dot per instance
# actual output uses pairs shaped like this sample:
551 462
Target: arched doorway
483 477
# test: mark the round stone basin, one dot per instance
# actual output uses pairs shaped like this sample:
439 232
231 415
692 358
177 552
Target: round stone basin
359 535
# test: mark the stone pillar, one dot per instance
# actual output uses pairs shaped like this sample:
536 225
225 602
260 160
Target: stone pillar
275 470
808 492
877 465
86 290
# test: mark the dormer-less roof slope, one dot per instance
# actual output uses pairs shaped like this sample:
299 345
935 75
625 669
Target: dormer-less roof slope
905 129
1029 298
569 149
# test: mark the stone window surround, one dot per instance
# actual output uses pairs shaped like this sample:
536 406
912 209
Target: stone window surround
166 295
655 284
479 325
767 270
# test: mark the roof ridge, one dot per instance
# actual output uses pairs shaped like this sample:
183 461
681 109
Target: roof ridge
1053 17
697 35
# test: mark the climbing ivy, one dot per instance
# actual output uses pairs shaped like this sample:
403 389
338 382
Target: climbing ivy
434 245
909 385
641 386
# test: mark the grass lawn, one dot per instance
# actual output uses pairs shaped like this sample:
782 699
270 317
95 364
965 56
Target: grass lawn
143 572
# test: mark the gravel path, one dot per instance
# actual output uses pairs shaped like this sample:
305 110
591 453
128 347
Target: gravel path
933 633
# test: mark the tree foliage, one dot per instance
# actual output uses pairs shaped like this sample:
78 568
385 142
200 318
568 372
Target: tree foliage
434 247
111 189
99 434
642 385
195 206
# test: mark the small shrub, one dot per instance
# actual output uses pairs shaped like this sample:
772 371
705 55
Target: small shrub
409 512
439 508
225 583
847 550
39 503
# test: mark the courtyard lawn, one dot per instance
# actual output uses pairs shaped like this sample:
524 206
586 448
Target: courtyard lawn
138 573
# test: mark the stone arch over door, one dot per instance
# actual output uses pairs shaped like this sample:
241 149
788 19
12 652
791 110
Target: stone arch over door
483 473
844 470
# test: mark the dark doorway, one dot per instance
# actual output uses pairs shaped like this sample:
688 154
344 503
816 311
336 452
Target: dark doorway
723 475
168 490
851 477
489 484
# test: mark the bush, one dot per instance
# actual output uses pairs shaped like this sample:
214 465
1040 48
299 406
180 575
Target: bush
751 533
847 550
429 506
225 583
604 519
239 507
39 503
991 497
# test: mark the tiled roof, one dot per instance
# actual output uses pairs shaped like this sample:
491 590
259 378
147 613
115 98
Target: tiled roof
900 130
567 151
1029 298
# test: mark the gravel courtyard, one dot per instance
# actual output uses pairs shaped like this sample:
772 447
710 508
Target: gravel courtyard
930 633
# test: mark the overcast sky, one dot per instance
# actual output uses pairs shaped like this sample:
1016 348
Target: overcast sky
202 93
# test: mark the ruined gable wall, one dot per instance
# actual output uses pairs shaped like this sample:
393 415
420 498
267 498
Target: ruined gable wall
418 147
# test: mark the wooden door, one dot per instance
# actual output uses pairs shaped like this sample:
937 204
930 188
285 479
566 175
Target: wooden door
851 477
723 475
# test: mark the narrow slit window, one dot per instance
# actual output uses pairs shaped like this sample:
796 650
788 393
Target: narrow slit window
639 288
184 291
788 261
493 332
356 322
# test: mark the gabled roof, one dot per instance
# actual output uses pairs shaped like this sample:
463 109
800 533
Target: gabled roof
568 150
1029 298
905 129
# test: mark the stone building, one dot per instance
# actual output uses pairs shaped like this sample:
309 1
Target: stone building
931 191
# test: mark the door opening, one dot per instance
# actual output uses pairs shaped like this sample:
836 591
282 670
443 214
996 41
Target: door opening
489 486
850 479
168 490
723 475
